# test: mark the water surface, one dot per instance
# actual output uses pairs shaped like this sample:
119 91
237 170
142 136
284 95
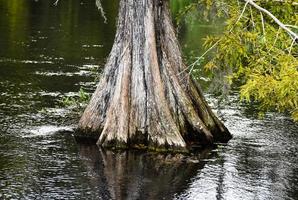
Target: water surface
48 52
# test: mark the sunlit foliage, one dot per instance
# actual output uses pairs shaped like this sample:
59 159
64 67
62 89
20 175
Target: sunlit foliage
254 53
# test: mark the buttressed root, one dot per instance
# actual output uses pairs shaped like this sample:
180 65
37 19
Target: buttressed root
143 99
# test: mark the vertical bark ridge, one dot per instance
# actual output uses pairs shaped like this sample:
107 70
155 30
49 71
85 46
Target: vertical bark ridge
138 116
141 100
116 129
94 116
164 132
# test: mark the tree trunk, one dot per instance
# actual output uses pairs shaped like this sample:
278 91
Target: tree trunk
144 99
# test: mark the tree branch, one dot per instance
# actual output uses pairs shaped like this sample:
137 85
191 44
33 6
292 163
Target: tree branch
100 8
283 26
293 35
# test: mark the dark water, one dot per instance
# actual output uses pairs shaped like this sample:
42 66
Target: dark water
47 53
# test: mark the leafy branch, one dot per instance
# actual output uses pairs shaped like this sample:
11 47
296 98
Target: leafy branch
257 52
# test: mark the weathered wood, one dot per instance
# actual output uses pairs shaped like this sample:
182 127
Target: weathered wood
144 98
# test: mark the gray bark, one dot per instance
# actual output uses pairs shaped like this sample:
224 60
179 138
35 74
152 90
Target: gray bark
143 99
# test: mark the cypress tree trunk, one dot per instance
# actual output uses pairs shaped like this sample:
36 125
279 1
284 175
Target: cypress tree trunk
144 98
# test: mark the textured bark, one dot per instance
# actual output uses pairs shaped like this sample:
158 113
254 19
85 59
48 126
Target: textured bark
144 99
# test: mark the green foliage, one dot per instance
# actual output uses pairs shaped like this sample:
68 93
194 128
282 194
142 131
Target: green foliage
77 102
255 54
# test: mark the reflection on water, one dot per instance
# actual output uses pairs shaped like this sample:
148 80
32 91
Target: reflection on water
47 53
138 175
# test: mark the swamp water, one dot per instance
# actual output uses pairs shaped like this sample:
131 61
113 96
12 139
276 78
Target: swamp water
47 53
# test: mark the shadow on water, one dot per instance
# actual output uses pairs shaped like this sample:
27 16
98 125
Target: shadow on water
138 175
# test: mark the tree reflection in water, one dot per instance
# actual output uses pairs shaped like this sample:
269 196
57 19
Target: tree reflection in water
140 175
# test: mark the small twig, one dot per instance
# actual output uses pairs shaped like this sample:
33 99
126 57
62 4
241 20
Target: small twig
199 58
191 67
276 38
282 25
100 8
292 44
252 17
263 25
56 3
202 56
291 26
240 16
282 1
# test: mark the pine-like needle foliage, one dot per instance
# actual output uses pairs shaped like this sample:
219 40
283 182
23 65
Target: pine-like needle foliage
255 53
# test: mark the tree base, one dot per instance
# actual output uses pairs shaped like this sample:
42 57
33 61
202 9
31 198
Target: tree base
145 97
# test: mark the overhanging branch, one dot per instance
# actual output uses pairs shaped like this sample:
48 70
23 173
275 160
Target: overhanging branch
282 25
